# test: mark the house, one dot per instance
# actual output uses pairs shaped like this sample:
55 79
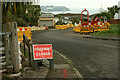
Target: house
68 17
92 16
46 19
56 19
116 16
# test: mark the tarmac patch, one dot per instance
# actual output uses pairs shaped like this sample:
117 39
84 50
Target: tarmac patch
59 66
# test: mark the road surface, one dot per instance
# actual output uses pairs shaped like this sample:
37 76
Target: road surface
93 58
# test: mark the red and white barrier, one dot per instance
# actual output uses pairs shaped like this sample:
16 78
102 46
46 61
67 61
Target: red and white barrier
22 29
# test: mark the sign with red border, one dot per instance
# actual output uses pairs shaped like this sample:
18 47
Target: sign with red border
42 51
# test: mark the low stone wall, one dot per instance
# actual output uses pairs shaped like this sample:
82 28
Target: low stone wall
37 28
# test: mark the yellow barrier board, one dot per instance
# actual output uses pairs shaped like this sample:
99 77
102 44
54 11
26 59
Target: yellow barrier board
70 25
61 26
23 30
57 26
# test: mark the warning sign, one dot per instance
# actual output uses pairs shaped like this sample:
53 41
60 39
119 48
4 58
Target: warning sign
42 51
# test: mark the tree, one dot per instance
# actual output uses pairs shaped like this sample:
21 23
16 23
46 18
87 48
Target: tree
33 14
107 14
110 14
113 10
16 11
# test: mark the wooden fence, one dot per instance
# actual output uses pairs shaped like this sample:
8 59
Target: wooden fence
114 21
10 48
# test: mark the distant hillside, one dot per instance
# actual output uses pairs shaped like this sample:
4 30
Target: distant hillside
54 8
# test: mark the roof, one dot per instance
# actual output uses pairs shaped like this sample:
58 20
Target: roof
94 14
36 6
69 14
47 15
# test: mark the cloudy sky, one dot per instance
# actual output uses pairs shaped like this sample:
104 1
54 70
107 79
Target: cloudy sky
81 3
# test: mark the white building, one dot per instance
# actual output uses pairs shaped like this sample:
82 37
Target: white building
56 19
116 16
119 10
46 19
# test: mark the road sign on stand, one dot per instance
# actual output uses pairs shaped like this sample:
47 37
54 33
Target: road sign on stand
41 52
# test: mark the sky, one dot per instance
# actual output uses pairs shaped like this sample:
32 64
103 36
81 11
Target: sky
76 4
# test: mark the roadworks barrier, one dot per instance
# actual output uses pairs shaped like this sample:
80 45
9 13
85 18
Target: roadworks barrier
23 30
92 28
70 25
62 27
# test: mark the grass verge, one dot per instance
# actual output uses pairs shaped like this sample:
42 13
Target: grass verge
114 30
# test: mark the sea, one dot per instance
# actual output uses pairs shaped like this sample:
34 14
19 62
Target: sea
75 11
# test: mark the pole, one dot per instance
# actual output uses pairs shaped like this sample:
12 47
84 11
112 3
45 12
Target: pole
24 45
7 55
29 53
14 47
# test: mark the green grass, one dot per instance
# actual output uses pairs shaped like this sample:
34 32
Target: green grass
114 30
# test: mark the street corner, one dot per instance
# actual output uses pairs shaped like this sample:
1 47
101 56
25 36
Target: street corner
63 73
63 68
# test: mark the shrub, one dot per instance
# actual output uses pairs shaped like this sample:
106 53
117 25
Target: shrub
21 22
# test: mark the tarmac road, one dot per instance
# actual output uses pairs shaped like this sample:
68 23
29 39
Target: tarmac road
93 58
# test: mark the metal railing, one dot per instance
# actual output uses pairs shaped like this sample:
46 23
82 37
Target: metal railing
5 33
26 42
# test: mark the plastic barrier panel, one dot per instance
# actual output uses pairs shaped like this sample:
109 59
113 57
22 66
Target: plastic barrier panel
23 30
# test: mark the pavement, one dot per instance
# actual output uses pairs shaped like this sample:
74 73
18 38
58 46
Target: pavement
103 37
63 68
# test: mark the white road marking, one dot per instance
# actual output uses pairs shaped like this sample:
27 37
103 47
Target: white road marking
107 45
